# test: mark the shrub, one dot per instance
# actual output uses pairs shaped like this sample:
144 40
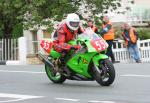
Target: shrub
118 32
143 33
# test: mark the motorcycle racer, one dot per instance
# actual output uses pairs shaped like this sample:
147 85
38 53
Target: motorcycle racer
66 32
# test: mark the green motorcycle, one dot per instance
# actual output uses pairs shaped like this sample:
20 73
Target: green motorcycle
87 64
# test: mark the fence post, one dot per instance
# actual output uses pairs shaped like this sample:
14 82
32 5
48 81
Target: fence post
22 50
2 49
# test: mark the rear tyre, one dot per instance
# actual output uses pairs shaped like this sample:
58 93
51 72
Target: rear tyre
55 77
105 75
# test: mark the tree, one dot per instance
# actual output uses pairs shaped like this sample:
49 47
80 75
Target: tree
9 12
29 13
101 6
32 12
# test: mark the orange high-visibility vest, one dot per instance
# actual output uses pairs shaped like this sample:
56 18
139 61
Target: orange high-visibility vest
132 36
110 34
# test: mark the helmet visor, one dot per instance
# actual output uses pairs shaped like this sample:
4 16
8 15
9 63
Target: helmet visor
74 24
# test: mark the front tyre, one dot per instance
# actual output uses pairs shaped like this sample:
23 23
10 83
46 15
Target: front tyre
54 77
105 73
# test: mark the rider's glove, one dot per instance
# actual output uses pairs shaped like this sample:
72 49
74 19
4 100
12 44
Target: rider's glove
76 47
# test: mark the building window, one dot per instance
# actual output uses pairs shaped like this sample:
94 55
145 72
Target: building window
46 34
35 42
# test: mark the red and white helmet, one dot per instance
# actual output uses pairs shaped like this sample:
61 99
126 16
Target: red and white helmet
73 21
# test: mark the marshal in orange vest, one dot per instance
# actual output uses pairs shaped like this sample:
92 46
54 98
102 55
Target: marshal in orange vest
132 36
110 34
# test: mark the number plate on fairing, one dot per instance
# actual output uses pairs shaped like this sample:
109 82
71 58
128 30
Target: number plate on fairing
99 44
46 45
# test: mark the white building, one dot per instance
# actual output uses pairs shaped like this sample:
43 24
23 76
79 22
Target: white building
139 11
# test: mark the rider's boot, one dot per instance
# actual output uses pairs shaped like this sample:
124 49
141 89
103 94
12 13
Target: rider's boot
63 66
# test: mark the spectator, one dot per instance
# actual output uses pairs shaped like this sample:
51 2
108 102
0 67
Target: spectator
108 35
131 36
93 27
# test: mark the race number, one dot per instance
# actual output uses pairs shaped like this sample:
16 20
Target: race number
99 44
46 45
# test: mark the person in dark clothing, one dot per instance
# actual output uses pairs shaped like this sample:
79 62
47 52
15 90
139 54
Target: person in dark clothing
108 35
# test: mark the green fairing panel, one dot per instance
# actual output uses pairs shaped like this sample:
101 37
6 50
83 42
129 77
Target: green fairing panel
54 54
96 58
80 63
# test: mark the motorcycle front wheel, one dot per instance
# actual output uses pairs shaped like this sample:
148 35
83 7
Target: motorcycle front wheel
104 73
54 77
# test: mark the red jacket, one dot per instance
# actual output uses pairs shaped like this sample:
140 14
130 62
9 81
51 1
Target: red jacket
64 35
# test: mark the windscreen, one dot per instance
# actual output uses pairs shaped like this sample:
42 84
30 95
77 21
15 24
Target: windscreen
96 41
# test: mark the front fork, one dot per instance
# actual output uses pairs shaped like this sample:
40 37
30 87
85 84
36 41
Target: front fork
98 63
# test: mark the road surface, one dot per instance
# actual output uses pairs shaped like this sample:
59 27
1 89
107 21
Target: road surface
29 84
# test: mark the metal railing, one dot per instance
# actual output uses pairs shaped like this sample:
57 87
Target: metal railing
8 49
121 53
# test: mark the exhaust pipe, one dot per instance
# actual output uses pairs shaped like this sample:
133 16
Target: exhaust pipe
45 60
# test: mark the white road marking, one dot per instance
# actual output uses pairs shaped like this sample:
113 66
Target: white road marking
135 75
16 97
68 99
31 72
93 101
11 100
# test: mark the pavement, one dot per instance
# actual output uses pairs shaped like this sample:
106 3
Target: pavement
29 84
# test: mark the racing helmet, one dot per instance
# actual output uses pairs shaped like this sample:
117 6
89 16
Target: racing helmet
73 21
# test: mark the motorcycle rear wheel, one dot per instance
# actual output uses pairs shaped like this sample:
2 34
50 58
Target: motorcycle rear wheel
55 78
105 76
